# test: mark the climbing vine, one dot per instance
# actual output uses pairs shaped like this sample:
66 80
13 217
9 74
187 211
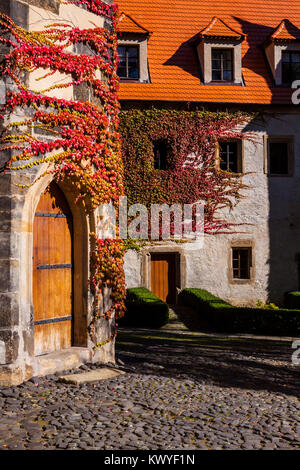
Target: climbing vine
73 138
191 173
79 138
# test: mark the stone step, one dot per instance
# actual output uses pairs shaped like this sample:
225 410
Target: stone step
91 376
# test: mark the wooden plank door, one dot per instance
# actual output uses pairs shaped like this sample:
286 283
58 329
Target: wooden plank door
163 276
52 272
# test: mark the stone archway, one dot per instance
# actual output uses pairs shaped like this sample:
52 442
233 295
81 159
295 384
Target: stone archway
18 359
82 225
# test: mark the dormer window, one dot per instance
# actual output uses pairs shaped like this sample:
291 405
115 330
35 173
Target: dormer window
128 62
222 65
283 53
132 50
220 54
290 66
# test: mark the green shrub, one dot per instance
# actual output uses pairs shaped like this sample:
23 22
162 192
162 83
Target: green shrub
216 315
144 309
270 306
292 300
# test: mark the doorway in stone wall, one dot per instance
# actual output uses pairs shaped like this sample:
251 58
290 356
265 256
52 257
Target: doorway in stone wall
164 276
52 272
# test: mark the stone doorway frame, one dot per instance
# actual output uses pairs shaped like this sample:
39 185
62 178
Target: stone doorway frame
180 265
83 224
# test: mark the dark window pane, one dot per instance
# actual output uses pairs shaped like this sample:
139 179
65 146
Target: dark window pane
160 150
216 64
278 158
229 156
295 56
227 75
122 61
227 54
222 64
290 66
216 75
285 57
132 62
133 72
128 62
121 51
132 52
241 263
122 64
122 72
244 264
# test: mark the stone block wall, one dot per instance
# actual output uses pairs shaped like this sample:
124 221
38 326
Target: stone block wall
17 207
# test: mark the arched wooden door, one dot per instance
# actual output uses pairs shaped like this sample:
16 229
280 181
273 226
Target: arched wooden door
52 272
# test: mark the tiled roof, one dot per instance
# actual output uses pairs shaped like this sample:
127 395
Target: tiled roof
129 25
173 64
217 28
286 31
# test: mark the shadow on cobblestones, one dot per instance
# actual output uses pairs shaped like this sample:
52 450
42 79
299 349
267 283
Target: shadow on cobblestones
182 391
228 362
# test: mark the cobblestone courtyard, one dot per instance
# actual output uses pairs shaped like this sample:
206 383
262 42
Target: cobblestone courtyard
180 391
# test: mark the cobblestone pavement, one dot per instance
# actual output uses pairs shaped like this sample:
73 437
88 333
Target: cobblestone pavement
180 392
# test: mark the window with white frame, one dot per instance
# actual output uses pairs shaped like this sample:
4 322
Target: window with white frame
222 65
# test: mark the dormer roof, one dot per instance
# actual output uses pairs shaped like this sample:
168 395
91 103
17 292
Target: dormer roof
285 31
219 29
128 25
174 64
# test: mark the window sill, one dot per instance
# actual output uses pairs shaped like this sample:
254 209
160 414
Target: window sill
280 176
240 281
231 173
283 85
223 83
130 80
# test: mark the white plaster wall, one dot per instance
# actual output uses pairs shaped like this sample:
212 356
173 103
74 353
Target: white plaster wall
272 207
132 266
38 19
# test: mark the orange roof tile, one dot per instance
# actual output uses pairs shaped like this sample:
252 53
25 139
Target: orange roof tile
217 28
286 30
173 64
129 25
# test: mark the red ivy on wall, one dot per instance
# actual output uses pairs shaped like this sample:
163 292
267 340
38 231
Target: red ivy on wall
82 141
191 173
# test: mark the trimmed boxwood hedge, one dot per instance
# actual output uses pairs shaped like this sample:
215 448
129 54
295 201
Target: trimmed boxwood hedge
144 309
292 300
214 314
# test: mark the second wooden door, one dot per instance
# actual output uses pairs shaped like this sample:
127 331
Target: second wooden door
163 276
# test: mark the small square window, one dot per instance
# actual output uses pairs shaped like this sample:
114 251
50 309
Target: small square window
241 262
280 156
128 62
222 65
230 156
